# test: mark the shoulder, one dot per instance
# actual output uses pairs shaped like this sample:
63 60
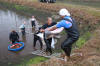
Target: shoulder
61 22
54 22
45 24
64 23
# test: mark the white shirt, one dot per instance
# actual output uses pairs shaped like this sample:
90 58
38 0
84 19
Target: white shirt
33 19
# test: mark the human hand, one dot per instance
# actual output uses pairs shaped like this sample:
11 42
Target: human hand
42 30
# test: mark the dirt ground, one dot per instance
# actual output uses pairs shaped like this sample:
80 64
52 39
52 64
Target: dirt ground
90 55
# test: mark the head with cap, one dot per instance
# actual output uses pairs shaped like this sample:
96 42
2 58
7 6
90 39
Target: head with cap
64 12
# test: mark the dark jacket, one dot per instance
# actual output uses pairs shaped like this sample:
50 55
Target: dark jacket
13 36
72 31
46 25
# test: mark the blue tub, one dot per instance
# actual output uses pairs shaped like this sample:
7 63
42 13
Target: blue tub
17 49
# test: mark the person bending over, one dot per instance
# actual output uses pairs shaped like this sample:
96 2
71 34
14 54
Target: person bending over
14 37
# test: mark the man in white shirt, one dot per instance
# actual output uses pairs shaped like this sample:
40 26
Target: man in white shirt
33 21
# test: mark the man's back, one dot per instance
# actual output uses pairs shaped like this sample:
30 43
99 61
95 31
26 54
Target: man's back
13 35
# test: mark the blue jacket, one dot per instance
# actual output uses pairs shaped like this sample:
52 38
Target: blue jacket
70 26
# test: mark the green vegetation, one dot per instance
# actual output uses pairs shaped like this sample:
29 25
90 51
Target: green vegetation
29 11
35 60
82 40
16 7
25 10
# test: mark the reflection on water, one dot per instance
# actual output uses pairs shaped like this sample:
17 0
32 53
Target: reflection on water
33 30
24 38
11 20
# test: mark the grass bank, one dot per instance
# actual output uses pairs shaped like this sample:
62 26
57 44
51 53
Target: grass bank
31 61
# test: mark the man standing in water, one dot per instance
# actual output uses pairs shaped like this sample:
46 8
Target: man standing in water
22 27
71 29
33 21
14 37
48 41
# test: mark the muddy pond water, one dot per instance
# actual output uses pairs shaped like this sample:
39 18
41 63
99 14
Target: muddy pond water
12 20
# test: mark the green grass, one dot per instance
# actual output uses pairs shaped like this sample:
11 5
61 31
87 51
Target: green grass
17 7
35 60
83 39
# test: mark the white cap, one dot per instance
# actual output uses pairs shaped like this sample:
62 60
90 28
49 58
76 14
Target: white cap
64 12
